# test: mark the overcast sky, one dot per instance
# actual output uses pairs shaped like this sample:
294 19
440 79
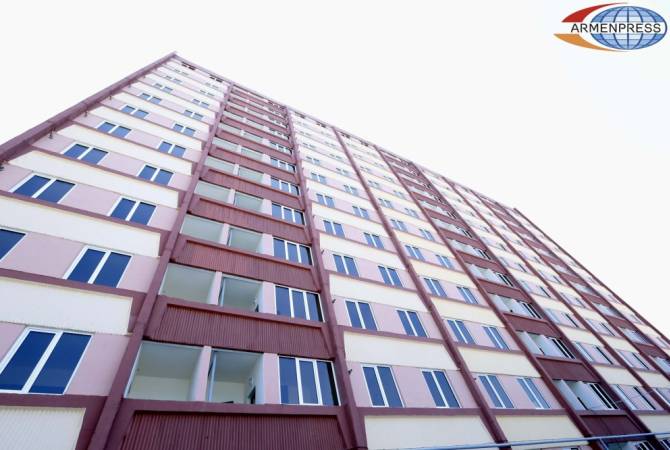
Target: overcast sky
481 91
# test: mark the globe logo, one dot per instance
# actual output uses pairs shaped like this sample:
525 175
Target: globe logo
614 28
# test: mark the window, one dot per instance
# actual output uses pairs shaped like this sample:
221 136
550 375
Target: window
427 234
438 385
42 362
385 203
325 200
360 315
283 165
530 309
306 382
505 279
533 393
102 267
8 239
445 261
562 348
313 160
398 225
284 186
351 190
381 386
43 188
162 87
85 153
496 338
361 212
461 331
374 184
483 254
113 129
251 153
373 240
292 251
606 400
134 111
467 295
346 265
319 178
151 98
296 303
495 391
159 176
133 211
412 213
389 276
193 115
414 252
172 149
183 129
200 103
287 214
435 287
333 228
411 323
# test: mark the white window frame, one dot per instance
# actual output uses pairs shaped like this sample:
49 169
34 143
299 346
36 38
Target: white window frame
346 267
317 380
51 181
528 382
153 177
86 152
297 244
381 386
132 210
304 301
439 388
100 265
487 377
360 314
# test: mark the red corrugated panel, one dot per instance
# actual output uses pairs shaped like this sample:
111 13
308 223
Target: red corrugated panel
162 431
604 425
222 179
531 325
566 370
237 158
221 329
245 265
229 214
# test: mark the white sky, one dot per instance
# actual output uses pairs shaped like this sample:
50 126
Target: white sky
576 139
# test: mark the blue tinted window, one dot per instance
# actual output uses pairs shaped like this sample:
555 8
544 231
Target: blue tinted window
313 306
308 382
123 209
414 318
366 313
351 267
56 191
8 239
305 255
23 362
373 386
392 395
282 301
353 314
288 381
276 211
94 156
127 109
327 383
32 185
189 131
140 113
76 151
86 265
292 252
279 250
405 323
145 96
163 177
121 131
445 387
503 395
432 387
106 127
147 172
112 270
165 147
298 305
178 151
155 100
395 279
143 213
60 365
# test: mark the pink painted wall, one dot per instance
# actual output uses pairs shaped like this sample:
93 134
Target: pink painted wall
9 333
368 269
271 378
95 373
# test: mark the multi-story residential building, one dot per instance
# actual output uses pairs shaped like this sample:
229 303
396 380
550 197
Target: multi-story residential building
187 264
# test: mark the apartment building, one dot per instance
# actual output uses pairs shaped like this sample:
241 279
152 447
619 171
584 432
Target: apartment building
188 264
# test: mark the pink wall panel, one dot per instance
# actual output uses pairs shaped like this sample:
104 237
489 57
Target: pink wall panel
95 373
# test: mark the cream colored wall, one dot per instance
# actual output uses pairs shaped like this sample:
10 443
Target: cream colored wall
336 193
580 336
78 227
348 219
155 78
28 428
459 310
370 292
393 432
524 428
61 307
124 147
619 343
656 423
589 314
347 247
654 380
82 173
615 375
161 111
551 304
434 271
485 361
411 239
371 349
397 201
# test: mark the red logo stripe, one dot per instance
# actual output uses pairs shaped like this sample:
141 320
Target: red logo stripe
579 16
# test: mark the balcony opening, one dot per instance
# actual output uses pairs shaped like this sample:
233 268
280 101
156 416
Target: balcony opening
163 372
247 201
212 191
235 377
244 239
187 283
250 174
240 293
219 164
202 228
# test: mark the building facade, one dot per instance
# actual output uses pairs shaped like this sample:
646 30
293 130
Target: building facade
187 264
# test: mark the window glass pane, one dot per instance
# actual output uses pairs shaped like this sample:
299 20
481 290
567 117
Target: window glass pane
86 265
282 301
178 151
34 184
503 395
446 389
163 177
143 213
384 273
414 318
308 382
60 365
368 320
166 147
94 156
121 131
75 151
123 209
432 387
313 306
353 314
351 267
147 172
292 251
339 264
288 381
19 368
305 256
327 383
112 270
373 386
298 305
279 250
392 395
105 127
8 239
55 191
492 394
277 211
405 323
